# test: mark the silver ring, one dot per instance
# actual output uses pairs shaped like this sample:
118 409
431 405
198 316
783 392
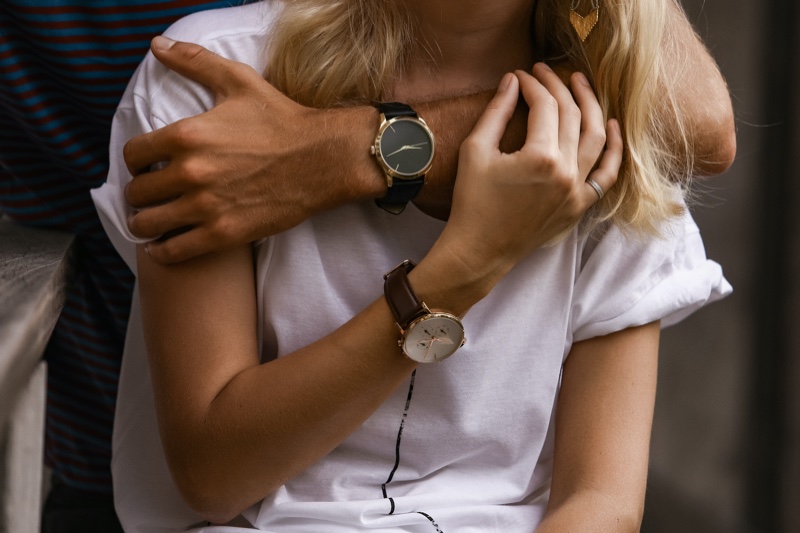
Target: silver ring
596 188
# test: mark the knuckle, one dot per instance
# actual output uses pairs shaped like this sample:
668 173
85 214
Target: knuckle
137 225
564 182
596 137
132 194
550 101
222 230
241 71
548 160
127 154
573 112
185 134
166 252
193 172
205 203
194 53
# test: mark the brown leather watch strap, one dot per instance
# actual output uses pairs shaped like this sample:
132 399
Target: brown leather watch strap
401 298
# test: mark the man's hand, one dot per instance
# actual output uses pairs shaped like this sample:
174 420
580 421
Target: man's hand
256 164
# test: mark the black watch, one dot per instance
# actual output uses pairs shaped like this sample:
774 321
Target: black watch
404 148
425 336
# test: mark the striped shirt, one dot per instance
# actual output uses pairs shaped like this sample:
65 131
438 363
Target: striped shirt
63 68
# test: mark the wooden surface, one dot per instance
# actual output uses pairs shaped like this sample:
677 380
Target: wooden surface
22 470
33 274
32 277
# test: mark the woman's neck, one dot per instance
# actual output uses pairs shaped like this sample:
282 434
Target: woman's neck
463 45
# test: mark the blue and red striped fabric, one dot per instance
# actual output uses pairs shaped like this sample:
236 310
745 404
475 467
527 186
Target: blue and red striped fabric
63 68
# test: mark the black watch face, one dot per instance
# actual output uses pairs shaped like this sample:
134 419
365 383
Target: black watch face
406 147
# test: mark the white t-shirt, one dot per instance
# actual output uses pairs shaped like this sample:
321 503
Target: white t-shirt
476 444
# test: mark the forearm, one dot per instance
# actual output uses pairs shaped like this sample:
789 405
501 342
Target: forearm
702 95
592 511
603 422
234 430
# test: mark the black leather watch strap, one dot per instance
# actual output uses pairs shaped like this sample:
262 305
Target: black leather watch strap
395 109
400 296
399 194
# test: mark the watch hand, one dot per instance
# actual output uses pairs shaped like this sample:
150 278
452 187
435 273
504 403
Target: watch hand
406 147
428 347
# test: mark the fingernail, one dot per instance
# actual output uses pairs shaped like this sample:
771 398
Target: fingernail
505 82
581 78
162 43
546 66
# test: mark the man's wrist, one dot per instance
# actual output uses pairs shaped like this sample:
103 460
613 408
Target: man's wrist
348 151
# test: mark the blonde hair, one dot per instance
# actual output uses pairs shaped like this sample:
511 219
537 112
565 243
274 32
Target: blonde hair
327 53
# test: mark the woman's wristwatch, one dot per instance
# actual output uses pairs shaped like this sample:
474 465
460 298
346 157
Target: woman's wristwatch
425 336
404 148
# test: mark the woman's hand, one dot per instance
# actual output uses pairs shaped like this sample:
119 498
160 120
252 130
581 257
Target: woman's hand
507 205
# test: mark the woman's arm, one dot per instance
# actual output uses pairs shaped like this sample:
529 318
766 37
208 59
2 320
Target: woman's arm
603 422
234 430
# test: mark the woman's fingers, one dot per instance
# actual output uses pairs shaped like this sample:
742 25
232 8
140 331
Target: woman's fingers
494 120
593 127
569 114
542 114
605 175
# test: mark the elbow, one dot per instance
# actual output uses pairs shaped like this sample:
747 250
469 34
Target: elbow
211 487
720 158
205 496
717 145
631 522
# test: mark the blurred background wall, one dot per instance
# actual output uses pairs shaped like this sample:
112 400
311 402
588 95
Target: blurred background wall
726 439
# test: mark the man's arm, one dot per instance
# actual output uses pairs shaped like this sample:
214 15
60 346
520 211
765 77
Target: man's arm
702 95
259 163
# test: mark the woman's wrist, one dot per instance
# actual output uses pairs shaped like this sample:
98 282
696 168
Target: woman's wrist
452 279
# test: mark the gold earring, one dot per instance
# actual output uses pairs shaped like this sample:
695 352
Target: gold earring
584 25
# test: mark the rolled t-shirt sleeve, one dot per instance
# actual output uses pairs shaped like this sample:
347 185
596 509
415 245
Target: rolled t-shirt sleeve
109 199
157 96
627 281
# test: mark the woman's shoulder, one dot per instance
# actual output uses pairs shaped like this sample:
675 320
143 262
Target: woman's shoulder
206 27
238 33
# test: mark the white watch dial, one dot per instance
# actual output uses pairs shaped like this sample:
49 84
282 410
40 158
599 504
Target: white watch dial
433 337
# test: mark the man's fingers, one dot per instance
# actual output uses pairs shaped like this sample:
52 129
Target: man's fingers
153 222
493 122
145 150
155 187
220 75
187 245
593 127
607 171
